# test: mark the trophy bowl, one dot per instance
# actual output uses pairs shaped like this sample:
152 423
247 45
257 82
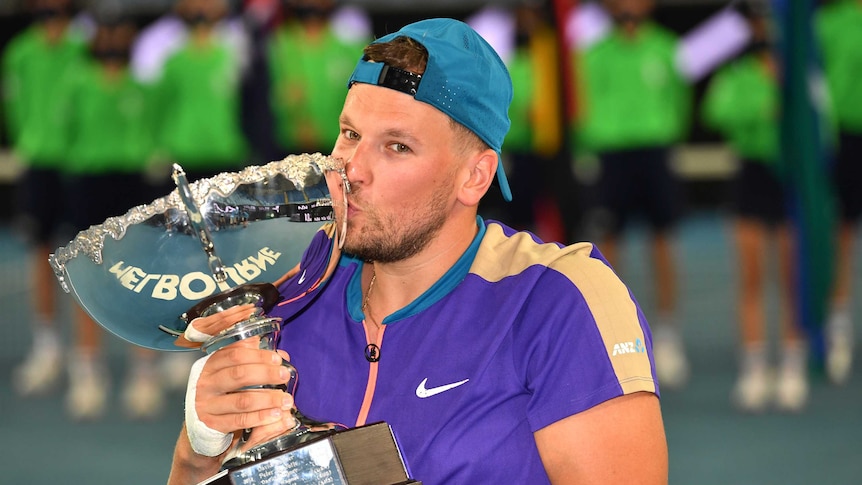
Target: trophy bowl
138 274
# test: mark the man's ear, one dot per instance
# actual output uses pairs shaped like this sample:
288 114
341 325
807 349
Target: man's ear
482 170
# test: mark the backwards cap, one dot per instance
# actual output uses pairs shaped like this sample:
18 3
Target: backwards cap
464 78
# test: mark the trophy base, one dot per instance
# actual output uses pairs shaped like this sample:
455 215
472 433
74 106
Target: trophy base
366 455
307 430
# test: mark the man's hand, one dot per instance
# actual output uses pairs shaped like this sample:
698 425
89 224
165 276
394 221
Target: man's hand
221 408
221 403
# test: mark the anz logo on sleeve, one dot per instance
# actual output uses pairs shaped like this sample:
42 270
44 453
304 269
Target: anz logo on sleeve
636 347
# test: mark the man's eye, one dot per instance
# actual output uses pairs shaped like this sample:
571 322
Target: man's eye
350 134
399 148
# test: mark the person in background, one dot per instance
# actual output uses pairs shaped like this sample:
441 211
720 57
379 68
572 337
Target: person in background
259 19
227 40
496 358
635 107
839 29
742 103
308 62
197 98
519 140
32 64
109 129
534 141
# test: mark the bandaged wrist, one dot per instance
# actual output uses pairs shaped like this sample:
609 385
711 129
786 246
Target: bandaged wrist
192 334
204 440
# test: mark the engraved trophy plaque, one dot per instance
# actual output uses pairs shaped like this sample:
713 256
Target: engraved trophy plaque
213 244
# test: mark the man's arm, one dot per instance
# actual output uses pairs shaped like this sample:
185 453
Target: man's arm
621 440
189 467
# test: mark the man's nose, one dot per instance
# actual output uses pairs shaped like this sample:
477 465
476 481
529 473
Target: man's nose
356 165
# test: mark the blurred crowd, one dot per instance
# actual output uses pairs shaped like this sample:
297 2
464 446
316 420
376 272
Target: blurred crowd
97 106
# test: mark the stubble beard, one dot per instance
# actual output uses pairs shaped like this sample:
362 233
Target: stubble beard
388 238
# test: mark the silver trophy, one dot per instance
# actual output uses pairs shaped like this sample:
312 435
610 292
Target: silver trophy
139 274
262 295
207 246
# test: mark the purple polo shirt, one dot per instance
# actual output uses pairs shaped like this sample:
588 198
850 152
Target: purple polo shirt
516 336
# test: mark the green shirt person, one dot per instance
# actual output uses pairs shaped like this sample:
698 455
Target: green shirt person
742 103
198 108
839 28
197 101
632 94
109 125
31 67
308 65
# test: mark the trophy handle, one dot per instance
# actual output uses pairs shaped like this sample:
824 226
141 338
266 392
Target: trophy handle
197 222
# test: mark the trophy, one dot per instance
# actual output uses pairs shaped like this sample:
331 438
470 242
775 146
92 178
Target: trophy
210 245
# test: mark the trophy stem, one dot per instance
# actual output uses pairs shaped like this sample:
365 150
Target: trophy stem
306 429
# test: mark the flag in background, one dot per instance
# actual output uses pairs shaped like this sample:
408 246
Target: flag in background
805 148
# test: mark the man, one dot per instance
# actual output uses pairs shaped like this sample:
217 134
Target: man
31 65
837 27
741 102
504 360
197 97
109 143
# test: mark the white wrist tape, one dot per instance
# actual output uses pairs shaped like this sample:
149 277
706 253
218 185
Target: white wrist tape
204 440
192 334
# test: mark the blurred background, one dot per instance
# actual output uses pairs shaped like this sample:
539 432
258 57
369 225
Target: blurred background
712 149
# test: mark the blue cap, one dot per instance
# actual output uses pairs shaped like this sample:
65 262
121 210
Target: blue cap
464 78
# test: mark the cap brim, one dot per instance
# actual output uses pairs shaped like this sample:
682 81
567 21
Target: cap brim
502 181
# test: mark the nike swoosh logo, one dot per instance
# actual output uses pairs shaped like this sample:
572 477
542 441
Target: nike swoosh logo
423 392
301 277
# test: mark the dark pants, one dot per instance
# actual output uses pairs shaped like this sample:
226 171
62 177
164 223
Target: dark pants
639 182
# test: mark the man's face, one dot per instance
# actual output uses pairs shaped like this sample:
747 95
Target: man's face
201 12
629 13
51 10
401 161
